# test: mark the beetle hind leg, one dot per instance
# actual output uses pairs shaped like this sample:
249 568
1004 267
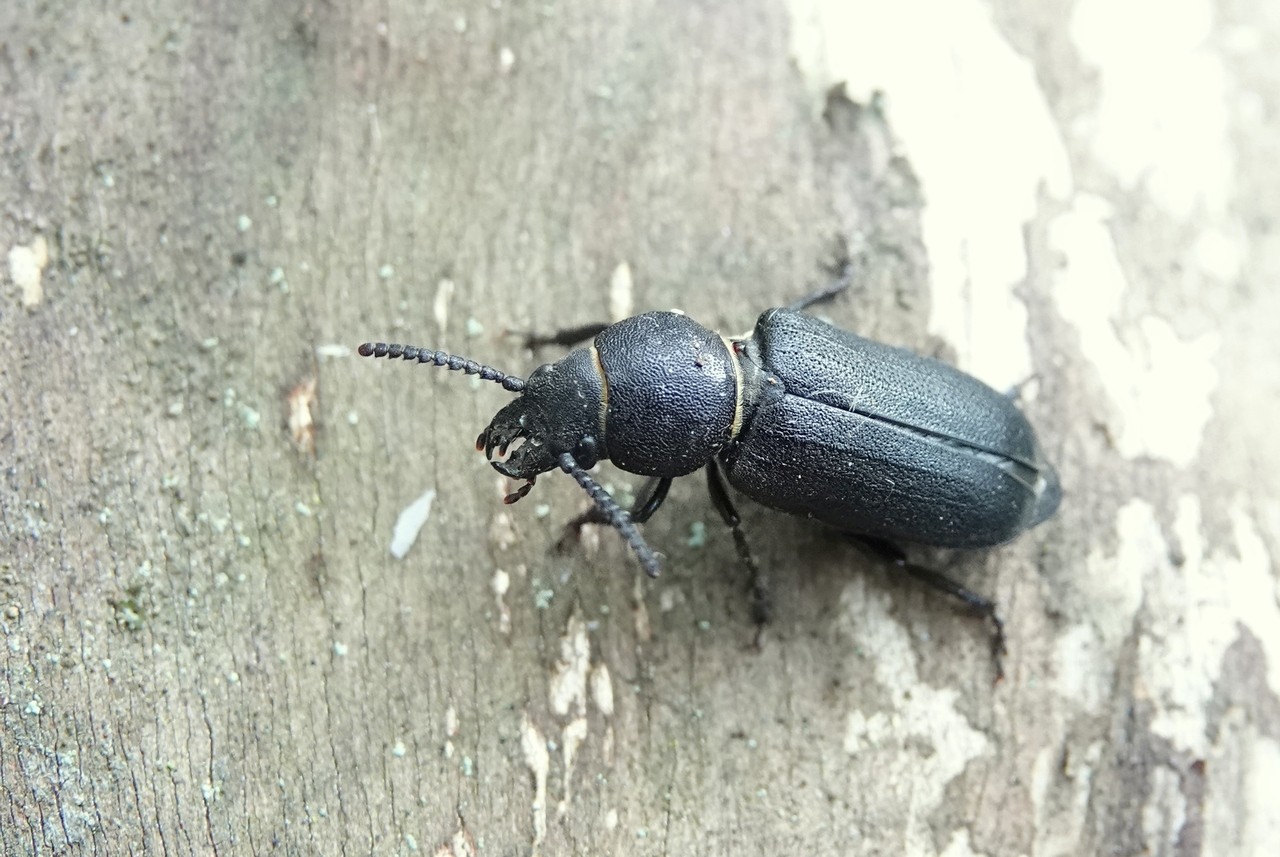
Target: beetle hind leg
979 605
761 599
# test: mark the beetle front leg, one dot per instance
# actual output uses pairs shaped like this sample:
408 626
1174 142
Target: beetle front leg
617 517
979 605
843 270
651 496
761 601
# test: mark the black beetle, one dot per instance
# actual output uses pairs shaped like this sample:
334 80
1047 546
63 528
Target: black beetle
875 441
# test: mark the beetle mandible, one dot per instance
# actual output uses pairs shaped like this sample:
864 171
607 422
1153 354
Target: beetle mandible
874 441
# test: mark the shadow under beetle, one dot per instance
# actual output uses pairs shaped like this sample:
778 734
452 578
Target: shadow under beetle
877 442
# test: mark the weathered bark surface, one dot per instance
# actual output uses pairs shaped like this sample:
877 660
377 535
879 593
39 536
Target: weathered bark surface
208 647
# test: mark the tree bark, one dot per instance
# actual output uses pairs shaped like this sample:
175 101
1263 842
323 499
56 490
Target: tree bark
209 647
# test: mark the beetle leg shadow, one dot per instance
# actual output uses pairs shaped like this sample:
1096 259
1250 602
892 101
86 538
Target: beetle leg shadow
651 496
979 605
565 337
761 599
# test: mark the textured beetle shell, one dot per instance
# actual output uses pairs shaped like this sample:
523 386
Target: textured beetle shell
879 441
672 393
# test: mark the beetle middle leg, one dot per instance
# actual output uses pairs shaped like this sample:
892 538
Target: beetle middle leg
979 605
761 602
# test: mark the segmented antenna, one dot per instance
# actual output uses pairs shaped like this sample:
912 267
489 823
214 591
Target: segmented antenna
618 517
392 350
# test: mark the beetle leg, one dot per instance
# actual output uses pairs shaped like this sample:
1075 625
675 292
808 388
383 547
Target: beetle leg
979 605
651 495
843 270
761 602
825 293
565 336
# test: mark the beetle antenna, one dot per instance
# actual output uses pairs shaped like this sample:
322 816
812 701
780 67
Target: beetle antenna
617 517
392 350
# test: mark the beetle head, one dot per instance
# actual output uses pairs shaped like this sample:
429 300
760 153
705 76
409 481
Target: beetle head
557 412
558 415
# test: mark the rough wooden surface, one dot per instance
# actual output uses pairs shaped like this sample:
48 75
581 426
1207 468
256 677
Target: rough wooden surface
208 647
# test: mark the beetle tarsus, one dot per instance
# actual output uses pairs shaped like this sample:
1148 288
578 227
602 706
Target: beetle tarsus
998 648
761 599
978 605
